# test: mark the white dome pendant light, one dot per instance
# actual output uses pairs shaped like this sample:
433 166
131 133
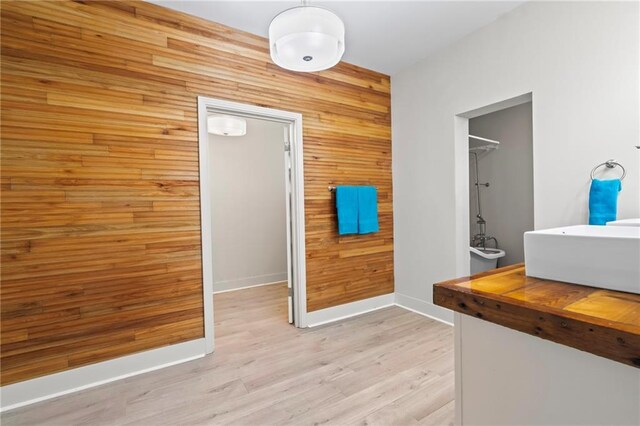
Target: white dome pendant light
306 39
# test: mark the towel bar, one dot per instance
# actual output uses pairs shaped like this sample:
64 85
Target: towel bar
610 165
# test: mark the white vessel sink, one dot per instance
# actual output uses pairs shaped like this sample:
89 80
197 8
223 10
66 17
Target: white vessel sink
625 222
598 256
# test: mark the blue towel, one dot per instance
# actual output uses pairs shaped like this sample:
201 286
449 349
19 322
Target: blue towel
367 210
347 205
603 201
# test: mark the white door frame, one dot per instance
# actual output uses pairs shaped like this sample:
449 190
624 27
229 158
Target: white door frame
206 105
461 170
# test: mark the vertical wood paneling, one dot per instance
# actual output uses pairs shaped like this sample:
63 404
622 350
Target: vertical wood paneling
100 202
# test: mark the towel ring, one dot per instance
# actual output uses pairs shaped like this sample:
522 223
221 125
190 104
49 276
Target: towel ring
610 165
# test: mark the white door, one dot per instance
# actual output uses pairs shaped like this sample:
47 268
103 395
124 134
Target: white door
287 179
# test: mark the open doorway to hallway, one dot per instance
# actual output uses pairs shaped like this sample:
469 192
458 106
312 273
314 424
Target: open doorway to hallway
248 168
251 203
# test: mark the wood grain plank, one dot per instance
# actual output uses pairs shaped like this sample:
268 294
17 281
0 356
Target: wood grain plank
100 193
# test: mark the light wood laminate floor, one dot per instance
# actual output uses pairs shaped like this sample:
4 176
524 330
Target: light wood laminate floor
386 367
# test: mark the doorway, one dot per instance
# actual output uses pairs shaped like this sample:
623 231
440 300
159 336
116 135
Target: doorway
494 163
501 182
251 203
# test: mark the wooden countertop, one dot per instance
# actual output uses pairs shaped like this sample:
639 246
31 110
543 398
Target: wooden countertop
602 322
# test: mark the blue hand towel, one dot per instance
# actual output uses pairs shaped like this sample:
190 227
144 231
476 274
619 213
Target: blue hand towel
367 210
603 201
347 206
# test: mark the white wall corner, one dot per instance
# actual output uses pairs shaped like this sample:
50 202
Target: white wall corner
424 308
347 310
53 385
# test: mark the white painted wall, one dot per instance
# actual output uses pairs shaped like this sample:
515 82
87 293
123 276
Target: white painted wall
248 207
537 382
581 62
507 204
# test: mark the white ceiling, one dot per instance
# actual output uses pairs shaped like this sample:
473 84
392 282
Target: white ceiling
385 36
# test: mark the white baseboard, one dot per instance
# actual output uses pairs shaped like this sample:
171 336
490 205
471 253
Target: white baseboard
54 385
57 384
248 282
250 286
424 308
336 313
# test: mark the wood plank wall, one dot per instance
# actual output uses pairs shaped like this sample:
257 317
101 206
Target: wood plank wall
100 202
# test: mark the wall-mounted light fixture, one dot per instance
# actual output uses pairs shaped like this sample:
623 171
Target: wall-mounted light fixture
226 125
